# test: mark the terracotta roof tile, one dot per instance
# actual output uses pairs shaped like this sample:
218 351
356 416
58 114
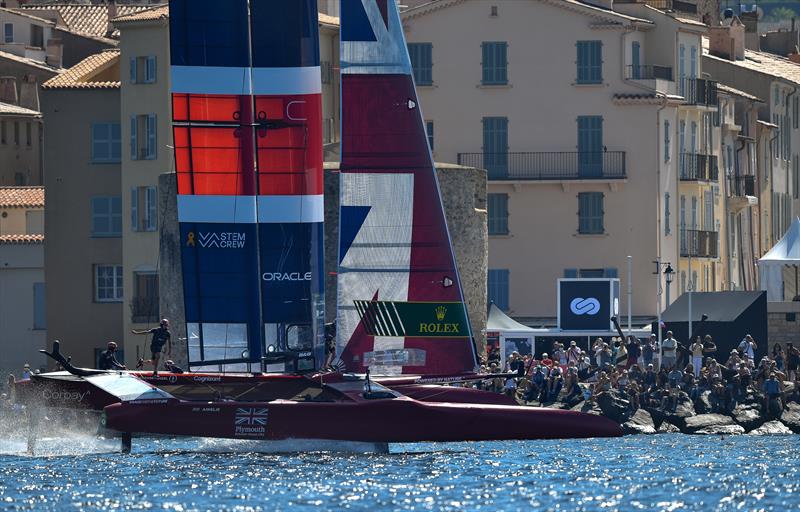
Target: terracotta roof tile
736 92
90 19
82 75
21 197
765 63
154 13
15 110
29 62
21 239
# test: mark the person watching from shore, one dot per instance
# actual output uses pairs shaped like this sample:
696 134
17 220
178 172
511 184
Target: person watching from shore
602 385
546 361
669 347
709 347
778 356
634 351
622 353
161 337
697 349
648 347
772 391
108 358
573 353
747 347
792 361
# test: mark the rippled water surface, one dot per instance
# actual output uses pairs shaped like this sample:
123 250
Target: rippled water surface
665 472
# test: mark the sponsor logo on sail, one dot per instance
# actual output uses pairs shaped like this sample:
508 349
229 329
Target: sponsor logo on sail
286 276
581 306
250 421
211 239
440 326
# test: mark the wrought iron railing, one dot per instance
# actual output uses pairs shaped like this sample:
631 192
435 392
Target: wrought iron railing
548 165
699 244
697 167
648 72
699 91
740 186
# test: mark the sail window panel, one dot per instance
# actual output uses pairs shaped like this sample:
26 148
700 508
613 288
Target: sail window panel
217 341
206 108
213 161
208 33
277 25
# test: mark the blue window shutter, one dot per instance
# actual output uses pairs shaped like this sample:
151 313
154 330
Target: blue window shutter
151 136
498 288
498 214
134 140
570 273
151 209
151 69
134 209
133 70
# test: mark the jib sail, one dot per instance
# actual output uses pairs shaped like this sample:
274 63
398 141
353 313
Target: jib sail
400 305
246 97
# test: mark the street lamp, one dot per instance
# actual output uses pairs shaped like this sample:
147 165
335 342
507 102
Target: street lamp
668 276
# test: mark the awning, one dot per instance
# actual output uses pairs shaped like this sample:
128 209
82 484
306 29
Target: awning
771 265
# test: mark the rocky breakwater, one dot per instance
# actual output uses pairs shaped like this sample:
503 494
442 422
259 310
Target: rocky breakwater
696 417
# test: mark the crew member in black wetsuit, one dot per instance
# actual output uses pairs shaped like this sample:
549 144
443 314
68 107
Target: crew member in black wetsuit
108 361
161 337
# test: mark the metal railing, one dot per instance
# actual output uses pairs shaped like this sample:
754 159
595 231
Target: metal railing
697 167
666 5
699 91
648 72
740 186
699 244
548 165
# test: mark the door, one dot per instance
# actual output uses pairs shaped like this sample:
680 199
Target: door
636 73
495 146
590 146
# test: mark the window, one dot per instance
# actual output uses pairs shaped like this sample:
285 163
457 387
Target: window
143 137
692 61
28 134
421 62
143 70
429 133
3 133
495 146
590 62
143 209
106 216
498 214
326 71
495 63
666 140
16 133
144 305
590 213
498 287
588 273
776 95
37 36
681 69
108 283
39 316
667 229
8 33
106 143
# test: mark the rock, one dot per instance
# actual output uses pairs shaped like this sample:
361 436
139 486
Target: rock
771 428
703 404
640 423
748 416
668 428
720 430
705 422
683 410
791 417
614 407
588 408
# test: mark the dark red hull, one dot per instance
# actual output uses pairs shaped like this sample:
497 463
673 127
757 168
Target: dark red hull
380 421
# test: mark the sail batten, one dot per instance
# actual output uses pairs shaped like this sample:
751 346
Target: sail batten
401 308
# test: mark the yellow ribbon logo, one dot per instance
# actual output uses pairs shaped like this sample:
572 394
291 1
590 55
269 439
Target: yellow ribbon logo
190 239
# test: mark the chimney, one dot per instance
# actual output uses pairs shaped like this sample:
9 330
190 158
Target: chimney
54 54
727 41
112 13
8 89
29 93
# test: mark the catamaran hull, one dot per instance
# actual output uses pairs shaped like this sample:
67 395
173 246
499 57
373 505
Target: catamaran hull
377 421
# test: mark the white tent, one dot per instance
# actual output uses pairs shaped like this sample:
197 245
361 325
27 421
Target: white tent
513 335
771 266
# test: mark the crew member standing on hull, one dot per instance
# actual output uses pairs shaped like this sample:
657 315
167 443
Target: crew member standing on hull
161 337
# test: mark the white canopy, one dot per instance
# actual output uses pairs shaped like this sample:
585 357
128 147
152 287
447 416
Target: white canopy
771 265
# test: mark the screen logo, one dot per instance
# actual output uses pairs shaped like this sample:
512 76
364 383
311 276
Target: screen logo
581 306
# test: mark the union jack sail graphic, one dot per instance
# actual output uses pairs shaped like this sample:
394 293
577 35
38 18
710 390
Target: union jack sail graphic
251 416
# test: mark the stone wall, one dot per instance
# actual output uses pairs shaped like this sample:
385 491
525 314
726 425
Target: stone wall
464 193
783 323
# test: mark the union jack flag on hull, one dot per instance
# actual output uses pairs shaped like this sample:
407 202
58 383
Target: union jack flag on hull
251 416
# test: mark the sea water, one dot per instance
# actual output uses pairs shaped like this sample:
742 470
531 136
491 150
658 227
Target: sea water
663 472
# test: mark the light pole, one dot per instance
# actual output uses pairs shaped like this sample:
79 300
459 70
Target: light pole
668 276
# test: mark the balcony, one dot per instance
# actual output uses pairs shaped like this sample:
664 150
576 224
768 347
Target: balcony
697 167
666 5
648 72
549 165
699 244
741 192
699 91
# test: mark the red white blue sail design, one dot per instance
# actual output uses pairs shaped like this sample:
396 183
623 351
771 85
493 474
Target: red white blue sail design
400 305
246 101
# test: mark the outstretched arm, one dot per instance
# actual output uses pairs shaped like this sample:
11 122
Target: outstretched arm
144 331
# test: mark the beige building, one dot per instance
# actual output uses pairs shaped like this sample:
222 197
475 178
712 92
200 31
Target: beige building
20 142
23 321
82 166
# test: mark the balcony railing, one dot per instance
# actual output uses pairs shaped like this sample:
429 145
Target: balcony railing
549 165
699 244
666 5
697 167
648 72
699 91
740 186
